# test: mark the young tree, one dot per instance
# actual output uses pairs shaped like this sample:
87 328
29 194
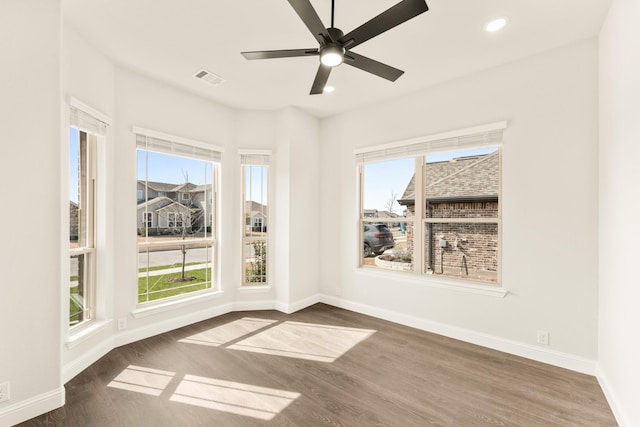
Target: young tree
393 198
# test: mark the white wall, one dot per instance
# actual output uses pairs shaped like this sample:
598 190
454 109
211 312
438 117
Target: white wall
619 342
298 211
549 205
89 77
30 131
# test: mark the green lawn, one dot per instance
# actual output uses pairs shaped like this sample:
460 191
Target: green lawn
160 287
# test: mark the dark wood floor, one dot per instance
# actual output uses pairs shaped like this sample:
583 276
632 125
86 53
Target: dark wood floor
395 376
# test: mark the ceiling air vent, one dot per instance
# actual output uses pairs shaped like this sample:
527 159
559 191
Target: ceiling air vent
209 77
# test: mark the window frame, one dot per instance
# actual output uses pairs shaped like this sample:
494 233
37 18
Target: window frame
185 148
256 158
86 218
419 149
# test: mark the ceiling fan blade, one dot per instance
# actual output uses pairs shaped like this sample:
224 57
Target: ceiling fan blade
310 17
289 53
388 19
321 80
372 66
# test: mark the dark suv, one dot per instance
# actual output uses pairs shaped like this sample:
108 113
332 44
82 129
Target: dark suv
377 239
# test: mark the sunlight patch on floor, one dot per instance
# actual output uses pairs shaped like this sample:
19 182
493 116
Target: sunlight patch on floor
220 335
232 397
322 343
142 380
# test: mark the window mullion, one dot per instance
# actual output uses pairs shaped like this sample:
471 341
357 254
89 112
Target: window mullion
418 231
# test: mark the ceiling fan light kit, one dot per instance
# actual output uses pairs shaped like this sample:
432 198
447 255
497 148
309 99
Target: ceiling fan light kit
334 45
332 55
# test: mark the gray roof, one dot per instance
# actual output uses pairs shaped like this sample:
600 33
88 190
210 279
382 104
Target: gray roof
251 206
464 178
166 187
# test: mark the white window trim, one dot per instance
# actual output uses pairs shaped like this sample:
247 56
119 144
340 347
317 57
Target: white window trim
415 142
255 157
173 138
209 240
95 124
417 148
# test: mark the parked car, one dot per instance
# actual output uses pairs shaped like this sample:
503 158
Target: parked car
377 239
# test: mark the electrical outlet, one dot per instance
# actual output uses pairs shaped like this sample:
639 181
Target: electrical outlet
543 337
4 392
122 323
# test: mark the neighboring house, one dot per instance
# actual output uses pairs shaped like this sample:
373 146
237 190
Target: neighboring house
256 215
374 213
168 208
466 187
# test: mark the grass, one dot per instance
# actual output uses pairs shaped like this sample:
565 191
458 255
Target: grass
74 309
160 287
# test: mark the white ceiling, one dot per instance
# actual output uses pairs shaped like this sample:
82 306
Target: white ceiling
173 39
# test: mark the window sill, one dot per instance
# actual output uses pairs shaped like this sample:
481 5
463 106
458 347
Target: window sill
434 281
84 333
160 307
249 289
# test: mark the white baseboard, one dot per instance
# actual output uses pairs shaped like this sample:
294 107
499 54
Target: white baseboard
81 363
556 358
297 305
254 305
610 395
32 407
127 337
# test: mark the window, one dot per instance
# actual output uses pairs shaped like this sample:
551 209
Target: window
175 220
432 207
148 219
87 129
255 216
177 242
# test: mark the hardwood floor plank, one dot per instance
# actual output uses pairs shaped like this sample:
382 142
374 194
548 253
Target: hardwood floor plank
372 373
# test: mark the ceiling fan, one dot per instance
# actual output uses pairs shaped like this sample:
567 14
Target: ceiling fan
335 46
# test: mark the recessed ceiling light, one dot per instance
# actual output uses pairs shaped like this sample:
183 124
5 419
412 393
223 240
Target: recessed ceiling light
328 89
495 25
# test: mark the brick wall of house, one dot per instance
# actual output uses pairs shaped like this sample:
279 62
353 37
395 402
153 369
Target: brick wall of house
471 249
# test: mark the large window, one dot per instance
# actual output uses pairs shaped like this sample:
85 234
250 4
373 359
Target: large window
87 130
255 217
433 207
176 216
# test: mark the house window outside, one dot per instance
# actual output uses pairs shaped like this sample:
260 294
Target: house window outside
255 216
175 219
436 213
148 219
82 182
177 252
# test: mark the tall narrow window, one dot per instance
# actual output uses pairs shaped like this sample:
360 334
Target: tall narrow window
88 128
255 217
176 216
433 207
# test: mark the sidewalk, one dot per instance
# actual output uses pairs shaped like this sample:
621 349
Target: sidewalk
160 272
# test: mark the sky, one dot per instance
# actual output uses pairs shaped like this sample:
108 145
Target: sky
172 169
382 179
